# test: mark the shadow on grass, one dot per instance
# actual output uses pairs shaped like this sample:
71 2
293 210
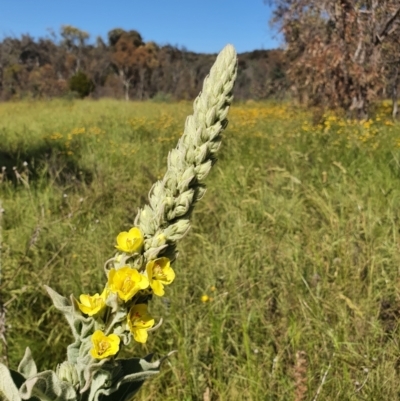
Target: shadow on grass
44 161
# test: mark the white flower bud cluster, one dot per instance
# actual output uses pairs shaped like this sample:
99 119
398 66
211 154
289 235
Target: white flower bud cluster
166 219
66 371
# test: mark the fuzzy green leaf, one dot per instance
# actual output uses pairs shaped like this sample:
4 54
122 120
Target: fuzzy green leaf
129 376
47 387
18 379
100 381
81 326
27 366
8 390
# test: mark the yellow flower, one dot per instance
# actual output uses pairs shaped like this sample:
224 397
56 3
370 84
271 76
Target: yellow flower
104 346
160 273
126 282
205 298
131 241
92 304
139 321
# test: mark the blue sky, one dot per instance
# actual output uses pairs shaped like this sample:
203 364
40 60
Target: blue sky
199 25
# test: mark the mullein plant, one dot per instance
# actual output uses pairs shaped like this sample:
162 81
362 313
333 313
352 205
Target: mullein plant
103 323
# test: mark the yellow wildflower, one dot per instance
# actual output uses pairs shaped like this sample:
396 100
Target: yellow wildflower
160 273
92 305
131 241
205 298
104 346
139 321
126 282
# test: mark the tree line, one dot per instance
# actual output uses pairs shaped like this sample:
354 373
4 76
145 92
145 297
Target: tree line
123 66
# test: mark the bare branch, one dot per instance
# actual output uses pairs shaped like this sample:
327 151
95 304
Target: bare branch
385 31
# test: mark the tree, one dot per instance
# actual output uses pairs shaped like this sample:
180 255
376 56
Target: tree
132 59
43 82
74 41
147 60
81 84
391 57
98 63
124 58
334 49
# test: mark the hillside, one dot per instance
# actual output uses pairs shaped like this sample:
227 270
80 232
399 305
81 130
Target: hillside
125 66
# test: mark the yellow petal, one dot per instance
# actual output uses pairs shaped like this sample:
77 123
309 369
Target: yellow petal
85 299
135 233
157 287
144 282
160 273
121 241
130 242
104 346
139 321
170 274
90 305
140 335
141 309
126 282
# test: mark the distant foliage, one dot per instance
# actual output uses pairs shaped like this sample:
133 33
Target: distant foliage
81 84
124 66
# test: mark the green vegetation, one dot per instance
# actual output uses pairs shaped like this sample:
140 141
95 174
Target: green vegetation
81 84
286 287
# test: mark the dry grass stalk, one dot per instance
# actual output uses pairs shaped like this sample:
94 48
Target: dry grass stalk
3 341
207 394
300 376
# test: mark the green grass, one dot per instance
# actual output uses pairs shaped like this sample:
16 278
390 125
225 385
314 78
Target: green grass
298 233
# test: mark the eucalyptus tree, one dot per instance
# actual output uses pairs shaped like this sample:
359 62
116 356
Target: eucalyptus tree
335 49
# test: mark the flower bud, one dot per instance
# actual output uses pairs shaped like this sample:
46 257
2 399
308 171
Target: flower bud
66 372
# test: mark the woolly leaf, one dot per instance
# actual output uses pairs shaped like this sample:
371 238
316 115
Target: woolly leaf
47 386
18 379
100 381
129 376
81 326
8 389
27 366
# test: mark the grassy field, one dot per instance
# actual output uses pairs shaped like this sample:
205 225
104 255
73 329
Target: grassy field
288 284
